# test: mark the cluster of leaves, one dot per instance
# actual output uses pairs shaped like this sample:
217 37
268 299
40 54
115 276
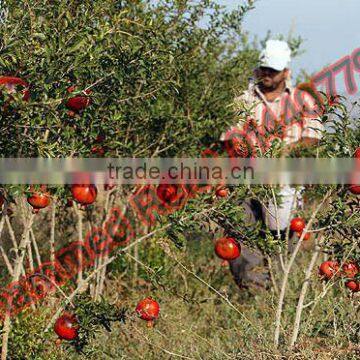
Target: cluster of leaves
93 317
343 131
342 222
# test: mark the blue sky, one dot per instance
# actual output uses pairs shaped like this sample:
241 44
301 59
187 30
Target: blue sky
330 27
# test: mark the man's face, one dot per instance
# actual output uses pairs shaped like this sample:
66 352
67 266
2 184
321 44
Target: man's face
270 78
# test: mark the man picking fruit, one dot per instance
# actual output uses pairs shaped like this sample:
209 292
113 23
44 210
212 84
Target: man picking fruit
272 104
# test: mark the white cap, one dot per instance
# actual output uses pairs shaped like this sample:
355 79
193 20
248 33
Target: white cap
276 55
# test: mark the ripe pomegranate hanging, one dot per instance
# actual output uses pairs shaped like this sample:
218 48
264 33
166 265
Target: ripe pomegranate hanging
328 269
79 102
354 189
167 193
67 327
11 82
353 285
297 224
38 200
357 153
227 248
148 310
222 192
350 269
84 194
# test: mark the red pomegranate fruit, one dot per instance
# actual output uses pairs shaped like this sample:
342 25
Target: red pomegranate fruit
328 269
148 310
354 189
353 285
167 193
357 153
227 248
350 269
11 82
222 192
78 103
98 150
297 224
38 201
84 194
67 327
